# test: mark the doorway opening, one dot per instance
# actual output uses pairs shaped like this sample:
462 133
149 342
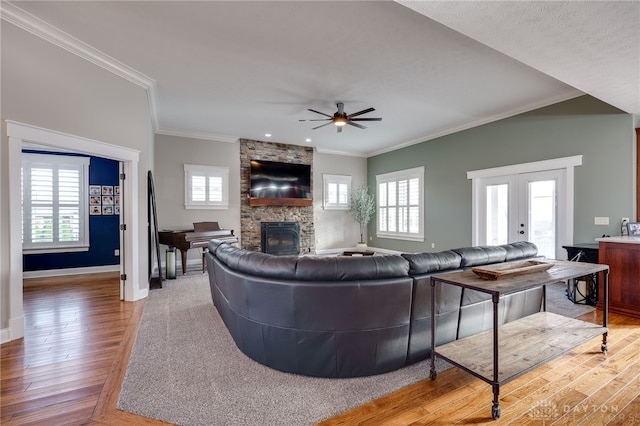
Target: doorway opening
525 202
18 134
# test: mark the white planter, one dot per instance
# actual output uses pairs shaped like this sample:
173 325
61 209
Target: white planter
361 247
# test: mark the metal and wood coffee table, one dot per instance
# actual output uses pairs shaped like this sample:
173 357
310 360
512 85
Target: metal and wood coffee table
510 350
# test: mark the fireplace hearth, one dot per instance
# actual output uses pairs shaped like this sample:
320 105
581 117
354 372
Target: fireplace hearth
280 238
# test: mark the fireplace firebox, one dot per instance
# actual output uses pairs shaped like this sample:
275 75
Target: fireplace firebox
280 238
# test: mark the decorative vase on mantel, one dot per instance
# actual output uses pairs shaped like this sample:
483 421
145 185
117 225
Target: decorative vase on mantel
361 247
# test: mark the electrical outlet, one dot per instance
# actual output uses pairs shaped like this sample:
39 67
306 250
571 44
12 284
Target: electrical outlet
601 220
116 252
625 220
433 245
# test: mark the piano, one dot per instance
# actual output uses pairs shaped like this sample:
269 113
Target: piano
198 237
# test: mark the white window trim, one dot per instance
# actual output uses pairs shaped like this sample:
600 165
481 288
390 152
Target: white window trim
209 171
337 179
30 159
416 172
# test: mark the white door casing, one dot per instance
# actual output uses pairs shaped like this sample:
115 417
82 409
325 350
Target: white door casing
19 133
563 173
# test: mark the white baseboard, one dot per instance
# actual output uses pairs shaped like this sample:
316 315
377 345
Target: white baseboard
4 335
70 271
14 331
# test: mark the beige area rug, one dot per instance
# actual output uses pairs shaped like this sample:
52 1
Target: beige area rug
186 369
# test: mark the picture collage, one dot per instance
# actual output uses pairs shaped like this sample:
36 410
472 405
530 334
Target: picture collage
104 200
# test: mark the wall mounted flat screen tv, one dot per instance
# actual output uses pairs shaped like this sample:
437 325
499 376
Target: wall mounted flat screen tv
273 179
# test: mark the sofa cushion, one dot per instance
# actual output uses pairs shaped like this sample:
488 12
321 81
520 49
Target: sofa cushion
256 263
214 244
481 255
347 268
422 263
520 250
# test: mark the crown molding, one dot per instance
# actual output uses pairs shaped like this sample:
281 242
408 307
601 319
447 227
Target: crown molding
24 20
344 153
195 135
565 96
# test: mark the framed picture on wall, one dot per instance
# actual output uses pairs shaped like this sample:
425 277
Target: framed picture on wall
95 200
633 228
116 209
107 190
95 190
95 210
116 190
107 210
107 200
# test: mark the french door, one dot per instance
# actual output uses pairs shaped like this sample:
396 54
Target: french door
523 207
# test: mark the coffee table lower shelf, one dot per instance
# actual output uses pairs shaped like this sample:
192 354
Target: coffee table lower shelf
523 345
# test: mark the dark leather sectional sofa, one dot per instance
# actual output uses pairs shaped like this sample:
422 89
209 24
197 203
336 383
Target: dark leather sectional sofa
352 316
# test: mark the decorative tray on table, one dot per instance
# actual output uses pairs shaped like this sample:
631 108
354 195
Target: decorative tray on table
511 269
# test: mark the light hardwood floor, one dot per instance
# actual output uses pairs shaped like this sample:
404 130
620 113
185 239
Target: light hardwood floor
69 367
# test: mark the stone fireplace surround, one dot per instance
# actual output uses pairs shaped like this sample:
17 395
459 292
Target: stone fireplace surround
251 217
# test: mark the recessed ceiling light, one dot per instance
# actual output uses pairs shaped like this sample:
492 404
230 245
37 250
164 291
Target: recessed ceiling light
307 140
268 135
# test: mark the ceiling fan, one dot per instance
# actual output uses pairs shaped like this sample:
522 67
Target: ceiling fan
341 118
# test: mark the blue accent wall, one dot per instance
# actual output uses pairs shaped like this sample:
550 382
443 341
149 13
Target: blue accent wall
104 235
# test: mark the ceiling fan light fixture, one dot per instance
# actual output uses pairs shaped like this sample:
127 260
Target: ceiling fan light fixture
340 121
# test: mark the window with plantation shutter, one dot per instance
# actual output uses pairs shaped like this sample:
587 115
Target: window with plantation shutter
54 203
337 189
400 204
206 187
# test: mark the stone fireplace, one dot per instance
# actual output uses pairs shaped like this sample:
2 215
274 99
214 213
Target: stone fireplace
280 238
252 217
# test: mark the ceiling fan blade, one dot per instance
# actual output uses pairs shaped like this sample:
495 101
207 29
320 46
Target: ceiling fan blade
340 106
322 125
315 119
366 119
360 126
364 111
321 113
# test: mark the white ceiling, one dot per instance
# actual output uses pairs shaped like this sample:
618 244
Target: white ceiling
227 70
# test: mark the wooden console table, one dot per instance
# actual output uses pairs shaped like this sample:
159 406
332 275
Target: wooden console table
510 350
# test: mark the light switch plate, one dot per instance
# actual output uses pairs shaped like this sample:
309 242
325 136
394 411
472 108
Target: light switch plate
601 220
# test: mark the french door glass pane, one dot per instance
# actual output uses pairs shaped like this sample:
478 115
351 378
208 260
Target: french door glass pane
497 214
542 218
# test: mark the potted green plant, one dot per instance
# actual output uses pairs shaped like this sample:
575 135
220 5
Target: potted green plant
363 206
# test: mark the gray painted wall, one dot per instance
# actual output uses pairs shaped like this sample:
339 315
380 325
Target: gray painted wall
333 228
604 184
171 154
46 86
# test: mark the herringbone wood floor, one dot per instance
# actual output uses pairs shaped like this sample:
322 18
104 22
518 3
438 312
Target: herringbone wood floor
69 367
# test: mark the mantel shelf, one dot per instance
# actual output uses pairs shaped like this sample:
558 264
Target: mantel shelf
295 202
